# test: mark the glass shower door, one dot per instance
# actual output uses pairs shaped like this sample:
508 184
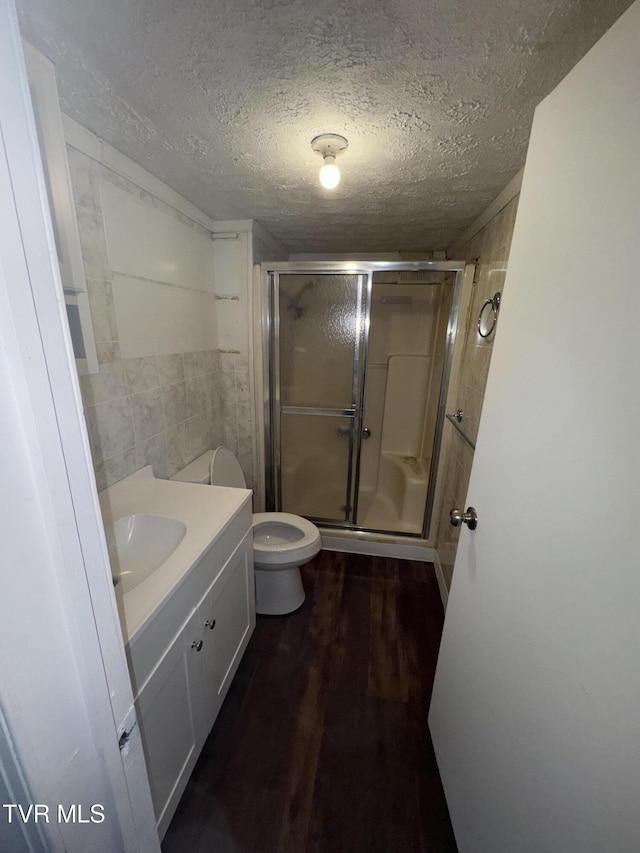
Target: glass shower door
318 321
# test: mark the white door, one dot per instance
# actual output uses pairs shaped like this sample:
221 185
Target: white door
66 706
536 706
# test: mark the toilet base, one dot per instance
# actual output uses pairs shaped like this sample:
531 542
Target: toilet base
278 591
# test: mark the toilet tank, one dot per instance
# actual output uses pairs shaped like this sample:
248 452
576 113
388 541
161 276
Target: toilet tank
197 471
218 466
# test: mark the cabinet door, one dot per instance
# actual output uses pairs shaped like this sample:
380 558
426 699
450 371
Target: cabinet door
228 617
171 714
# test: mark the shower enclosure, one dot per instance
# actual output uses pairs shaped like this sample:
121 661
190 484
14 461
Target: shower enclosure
357 360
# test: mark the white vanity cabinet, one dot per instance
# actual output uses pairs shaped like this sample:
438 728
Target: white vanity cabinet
226 618
171 714
183 660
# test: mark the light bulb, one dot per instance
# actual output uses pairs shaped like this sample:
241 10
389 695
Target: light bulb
329 173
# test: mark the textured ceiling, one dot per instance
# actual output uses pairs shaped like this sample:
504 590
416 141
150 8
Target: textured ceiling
220 99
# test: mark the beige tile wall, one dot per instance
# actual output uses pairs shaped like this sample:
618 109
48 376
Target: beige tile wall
490 247
160 409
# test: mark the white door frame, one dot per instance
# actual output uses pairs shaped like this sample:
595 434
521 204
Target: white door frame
65 694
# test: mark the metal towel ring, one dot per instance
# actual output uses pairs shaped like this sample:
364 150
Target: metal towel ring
494 302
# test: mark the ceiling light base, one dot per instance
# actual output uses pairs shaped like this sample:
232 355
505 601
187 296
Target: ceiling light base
329 144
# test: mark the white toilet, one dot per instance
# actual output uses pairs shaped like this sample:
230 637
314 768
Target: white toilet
281 542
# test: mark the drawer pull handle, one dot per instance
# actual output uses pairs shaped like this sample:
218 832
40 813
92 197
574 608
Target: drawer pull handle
210 623
197 645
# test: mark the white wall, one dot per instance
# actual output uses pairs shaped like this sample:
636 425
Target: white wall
162 277
171 305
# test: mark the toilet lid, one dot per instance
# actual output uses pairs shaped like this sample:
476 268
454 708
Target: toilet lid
225 469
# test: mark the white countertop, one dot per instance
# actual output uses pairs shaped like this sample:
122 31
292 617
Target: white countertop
205 510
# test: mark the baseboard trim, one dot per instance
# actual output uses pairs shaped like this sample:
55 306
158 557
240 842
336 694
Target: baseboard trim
442 584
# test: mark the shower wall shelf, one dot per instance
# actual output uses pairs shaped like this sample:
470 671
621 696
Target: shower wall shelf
456 420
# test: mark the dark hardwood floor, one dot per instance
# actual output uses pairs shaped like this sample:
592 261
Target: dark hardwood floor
322 744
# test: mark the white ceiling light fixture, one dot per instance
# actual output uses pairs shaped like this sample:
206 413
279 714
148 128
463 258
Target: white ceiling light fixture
329 145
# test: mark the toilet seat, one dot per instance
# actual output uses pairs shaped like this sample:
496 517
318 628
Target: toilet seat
283 533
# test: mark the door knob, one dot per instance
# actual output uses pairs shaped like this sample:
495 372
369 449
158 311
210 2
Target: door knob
470 518
366 432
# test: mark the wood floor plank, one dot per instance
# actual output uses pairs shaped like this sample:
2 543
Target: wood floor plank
307 732
340 819
387 676
322 744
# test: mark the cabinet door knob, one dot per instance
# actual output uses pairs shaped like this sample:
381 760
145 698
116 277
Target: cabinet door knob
210 623
197 645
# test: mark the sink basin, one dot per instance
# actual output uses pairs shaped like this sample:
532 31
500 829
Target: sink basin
138 544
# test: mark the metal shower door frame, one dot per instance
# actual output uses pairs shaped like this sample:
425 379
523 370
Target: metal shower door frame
274 408
271 338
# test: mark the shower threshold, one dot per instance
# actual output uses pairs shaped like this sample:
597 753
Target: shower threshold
377 544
